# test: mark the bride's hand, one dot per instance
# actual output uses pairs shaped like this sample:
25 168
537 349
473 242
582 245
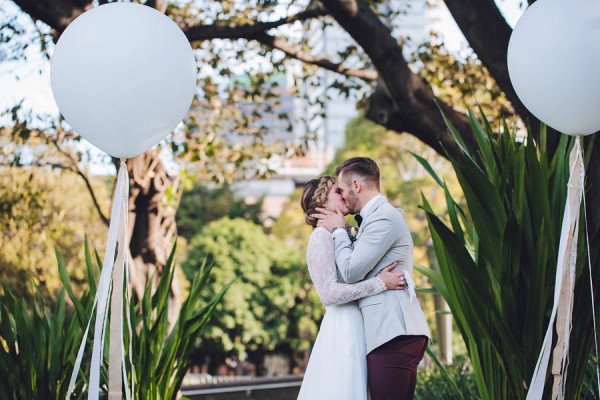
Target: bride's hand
392 280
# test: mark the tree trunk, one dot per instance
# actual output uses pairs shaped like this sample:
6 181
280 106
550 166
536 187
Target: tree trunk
151 225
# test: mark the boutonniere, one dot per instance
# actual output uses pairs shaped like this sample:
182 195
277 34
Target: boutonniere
352 232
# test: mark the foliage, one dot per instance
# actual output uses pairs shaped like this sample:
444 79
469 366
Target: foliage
589 387
498 258
201 205
461 80
38 344
162 355
229 132
290 226
433 385
268 305
37 209
241 121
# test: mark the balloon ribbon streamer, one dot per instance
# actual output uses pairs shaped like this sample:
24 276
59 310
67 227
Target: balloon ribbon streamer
111 281
562 310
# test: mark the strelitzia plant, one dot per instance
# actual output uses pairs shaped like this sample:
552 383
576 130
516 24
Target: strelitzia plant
38 343
497 252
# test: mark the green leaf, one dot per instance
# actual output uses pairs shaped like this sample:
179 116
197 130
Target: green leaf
66 281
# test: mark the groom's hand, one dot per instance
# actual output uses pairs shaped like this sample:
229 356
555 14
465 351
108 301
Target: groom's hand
329 219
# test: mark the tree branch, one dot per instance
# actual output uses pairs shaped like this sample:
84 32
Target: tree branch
323 62
220 30
402 101
75 168
258 32
67 10
90 189
57 14
160 5
39 164
488 34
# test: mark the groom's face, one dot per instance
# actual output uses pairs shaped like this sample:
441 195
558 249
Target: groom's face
349 195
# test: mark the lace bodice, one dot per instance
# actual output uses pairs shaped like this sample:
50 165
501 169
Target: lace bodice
320 258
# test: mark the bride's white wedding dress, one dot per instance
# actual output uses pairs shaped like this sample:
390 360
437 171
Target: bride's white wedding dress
337 369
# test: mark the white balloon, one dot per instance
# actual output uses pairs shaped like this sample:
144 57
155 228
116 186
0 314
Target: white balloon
554 63
123 75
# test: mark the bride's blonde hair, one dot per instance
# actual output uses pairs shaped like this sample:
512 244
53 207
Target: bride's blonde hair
315 195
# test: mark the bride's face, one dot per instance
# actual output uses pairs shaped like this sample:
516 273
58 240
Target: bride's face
335 200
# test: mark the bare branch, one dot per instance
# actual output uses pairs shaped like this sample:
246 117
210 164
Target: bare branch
259 33
86 180
90 189
75 168
323 62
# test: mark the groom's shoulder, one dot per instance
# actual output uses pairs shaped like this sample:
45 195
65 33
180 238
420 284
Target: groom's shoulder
387 208
390 212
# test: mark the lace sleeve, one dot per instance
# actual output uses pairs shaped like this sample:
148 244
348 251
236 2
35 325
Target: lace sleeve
320 258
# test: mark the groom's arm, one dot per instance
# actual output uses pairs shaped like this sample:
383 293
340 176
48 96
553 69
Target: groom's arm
356 260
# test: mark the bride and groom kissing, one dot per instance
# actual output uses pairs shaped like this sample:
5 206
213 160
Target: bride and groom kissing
374 333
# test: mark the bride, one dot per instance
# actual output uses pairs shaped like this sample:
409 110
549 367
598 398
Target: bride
337 368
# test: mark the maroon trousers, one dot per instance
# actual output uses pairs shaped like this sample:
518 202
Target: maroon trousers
393 368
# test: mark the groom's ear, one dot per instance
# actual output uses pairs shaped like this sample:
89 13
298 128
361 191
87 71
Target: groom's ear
357 185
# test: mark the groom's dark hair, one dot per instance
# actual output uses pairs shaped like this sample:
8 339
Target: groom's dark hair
362 167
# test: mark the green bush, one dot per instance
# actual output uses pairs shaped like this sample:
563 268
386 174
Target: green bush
270 308
432 384
38 344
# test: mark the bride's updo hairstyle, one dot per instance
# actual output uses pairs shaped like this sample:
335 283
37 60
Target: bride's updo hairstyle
315 195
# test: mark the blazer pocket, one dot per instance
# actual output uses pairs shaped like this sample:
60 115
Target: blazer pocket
370 301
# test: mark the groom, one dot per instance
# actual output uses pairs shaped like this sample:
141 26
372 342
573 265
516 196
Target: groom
396 331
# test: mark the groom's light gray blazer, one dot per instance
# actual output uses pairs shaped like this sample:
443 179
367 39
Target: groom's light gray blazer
382 238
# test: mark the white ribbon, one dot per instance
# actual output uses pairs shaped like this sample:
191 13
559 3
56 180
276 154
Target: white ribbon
410 285
564 284
117 234
589 262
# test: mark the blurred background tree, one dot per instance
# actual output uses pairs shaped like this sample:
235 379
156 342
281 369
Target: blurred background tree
203 204
38 210
267 309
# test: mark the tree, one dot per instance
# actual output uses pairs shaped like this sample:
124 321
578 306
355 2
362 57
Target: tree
201 205
400 101
269 306
37 212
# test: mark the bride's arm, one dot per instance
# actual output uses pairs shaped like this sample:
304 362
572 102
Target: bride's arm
321 265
